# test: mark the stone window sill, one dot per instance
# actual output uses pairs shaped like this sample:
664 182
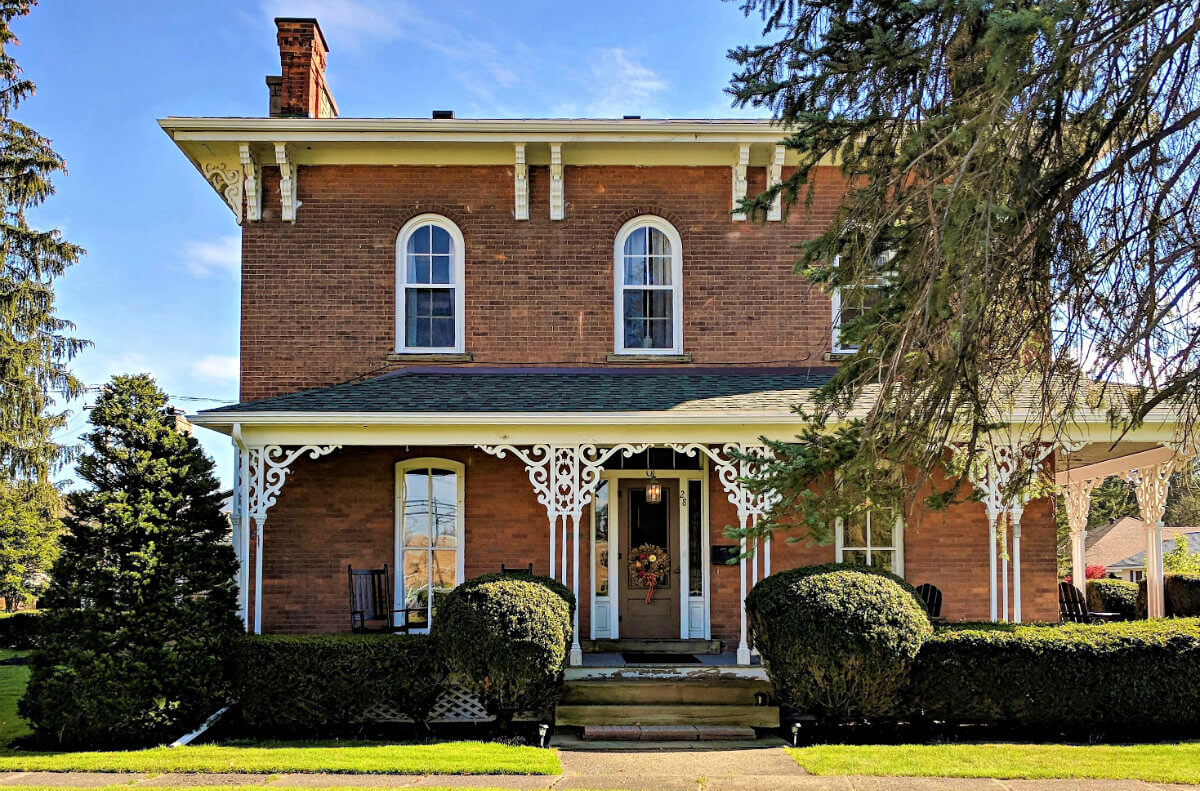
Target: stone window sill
649 358
429 357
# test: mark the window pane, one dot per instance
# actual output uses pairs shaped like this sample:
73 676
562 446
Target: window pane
635 242
855 556
416 508
601 506
418 268
440 272
659 273
659 243
648 322
440 240
416 328
883 559
882 527
635 270
445 508
441 302
429 317
418 242
854 532
442 333
695 544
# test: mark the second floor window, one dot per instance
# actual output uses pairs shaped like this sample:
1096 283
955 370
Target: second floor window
430 277
648 269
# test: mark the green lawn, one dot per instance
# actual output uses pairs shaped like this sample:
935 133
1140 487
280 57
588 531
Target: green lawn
12 687
471 758
1154 763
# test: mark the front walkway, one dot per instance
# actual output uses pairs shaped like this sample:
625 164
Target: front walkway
694 769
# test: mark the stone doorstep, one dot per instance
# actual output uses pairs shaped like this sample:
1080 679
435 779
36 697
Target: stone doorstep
667 733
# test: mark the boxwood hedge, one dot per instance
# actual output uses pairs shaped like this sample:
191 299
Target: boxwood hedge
1182 591
1105 595
506 638
837 640
325 684
1136 676
19 630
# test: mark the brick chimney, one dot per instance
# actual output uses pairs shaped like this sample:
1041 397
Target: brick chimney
301 91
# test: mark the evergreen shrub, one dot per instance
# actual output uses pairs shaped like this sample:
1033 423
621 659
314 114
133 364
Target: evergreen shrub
325 685
19 630
1182 592
837 640
1140 675
506 639
1108 595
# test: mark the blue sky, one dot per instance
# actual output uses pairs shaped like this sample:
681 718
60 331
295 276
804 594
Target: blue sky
158 290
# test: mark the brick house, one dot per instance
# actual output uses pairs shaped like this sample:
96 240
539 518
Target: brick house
468 343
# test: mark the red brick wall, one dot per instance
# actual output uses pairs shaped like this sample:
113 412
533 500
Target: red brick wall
318 296
340 510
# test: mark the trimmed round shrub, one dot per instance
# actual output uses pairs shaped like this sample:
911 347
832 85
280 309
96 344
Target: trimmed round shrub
325 684
506 639
549 583
837 640
1105 595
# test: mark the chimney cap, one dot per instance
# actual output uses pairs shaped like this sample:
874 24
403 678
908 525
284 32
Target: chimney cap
443 115
308 19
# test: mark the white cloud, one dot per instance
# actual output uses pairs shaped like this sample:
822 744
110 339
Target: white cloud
216 368
614 84
204 258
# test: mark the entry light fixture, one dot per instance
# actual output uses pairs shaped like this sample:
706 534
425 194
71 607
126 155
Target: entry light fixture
653 489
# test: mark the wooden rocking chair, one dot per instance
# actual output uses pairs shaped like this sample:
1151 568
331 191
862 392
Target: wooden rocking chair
1072 606
932 597
371 610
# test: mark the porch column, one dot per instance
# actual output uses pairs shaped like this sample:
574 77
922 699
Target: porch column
1015 523
1151 484
1078 496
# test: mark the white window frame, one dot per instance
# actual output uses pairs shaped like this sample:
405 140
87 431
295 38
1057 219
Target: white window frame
458 258
425 463
897 540
676 287
835 303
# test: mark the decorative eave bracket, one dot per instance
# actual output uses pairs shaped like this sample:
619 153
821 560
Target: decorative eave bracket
252 182
557 191
775 177
740 184
227 181
520 185
288 186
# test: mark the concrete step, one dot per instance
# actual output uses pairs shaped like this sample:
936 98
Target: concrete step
644 715
719 691
667 733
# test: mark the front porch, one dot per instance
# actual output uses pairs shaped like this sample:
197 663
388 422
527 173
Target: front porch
448 473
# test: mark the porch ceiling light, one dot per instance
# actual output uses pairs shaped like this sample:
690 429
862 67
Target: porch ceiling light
653 491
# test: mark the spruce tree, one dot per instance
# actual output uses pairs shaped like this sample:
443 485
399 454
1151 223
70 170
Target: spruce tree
142 602
35 343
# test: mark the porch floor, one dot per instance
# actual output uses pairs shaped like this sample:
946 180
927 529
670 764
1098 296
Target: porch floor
728 659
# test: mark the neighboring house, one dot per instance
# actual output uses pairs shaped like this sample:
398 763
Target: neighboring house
1113 544
1133 567
465 343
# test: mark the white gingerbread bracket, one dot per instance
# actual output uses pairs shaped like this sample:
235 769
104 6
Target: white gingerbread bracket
564 477
775 177
288 184
740 184
557 189
252 183
227 181
263 469
520 185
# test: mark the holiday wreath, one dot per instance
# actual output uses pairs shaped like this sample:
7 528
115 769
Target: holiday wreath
649 565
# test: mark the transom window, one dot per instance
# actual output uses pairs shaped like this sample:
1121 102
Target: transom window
872 538
429 534
648 268
429 268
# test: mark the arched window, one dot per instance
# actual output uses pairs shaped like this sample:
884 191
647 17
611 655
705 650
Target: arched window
429 275
429 535
648 270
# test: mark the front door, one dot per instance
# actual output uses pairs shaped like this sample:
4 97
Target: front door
655 525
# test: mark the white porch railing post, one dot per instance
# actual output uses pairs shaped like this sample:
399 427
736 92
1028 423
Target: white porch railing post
743 649
994 540
1004 555
576 657
553 544
1015 513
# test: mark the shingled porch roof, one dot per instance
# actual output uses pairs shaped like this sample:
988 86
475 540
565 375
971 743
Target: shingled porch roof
553 390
